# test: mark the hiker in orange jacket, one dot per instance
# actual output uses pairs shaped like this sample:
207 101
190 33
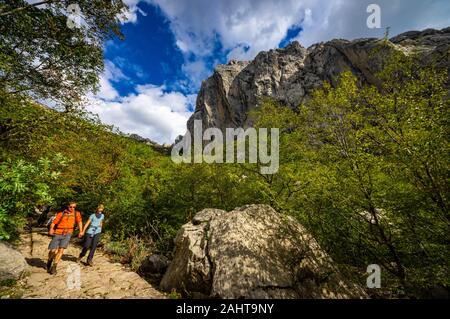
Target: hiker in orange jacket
61 229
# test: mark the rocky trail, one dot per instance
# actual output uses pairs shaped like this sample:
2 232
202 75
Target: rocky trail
105 279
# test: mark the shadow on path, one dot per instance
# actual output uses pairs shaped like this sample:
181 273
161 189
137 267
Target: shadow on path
69 258
36 262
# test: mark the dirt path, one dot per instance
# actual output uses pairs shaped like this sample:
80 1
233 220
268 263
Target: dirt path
104 280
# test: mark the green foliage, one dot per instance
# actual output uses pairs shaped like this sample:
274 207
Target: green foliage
174 295
366 170
117 248
23 186
95 164
8 283
40 55
132 250
11 289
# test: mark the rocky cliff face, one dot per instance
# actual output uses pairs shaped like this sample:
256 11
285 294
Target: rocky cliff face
290 75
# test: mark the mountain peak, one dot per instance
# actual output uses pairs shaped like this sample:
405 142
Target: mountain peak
289 75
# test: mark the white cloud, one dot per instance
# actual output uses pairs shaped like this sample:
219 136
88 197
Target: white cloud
197 25
347 19
110 74
196 70
131 15
107 91
246 27
243 28
182 46
151 112
262 24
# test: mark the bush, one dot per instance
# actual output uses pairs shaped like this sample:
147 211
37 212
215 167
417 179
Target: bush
132 251
23 186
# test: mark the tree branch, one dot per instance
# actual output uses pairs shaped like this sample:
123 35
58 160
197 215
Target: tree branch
2 14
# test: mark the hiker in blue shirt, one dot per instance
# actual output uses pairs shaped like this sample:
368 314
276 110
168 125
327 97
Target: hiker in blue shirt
92 231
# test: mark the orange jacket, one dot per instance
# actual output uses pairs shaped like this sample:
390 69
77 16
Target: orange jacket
64 222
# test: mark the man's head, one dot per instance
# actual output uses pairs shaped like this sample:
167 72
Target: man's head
72 205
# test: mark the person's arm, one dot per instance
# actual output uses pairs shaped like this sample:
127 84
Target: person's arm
51 231
58 217
86 225
80 226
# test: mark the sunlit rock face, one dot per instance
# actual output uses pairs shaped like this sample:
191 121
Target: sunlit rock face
290 75
252 252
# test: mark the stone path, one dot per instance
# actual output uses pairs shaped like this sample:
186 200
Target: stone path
104 280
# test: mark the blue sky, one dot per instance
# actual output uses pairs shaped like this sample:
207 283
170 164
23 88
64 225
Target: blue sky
149 53
151 78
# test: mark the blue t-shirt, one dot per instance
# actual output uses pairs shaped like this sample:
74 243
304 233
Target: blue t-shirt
94 226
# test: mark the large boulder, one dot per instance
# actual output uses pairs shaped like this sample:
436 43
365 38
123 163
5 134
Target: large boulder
252 252
12 264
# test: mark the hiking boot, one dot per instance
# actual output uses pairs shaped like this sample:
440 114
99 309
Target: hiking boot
90 263
49 265
53 269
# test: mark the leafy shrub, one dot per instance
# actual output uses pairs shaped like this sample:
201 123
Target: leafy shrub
132 251
116 248
23 186
174 294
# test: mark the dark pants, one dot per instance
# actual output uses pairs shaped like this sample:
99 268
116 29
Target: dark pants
90 242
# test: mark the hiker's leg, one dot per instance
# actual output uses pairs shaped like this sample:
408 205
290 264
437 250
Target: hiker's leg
51 257
63 244
59 255
51 267
87 244
52 254
52 250
53 246
95 241
83 252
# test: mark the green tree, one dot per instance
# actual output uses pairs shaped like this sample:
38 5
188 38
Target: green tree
42 56
366 170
